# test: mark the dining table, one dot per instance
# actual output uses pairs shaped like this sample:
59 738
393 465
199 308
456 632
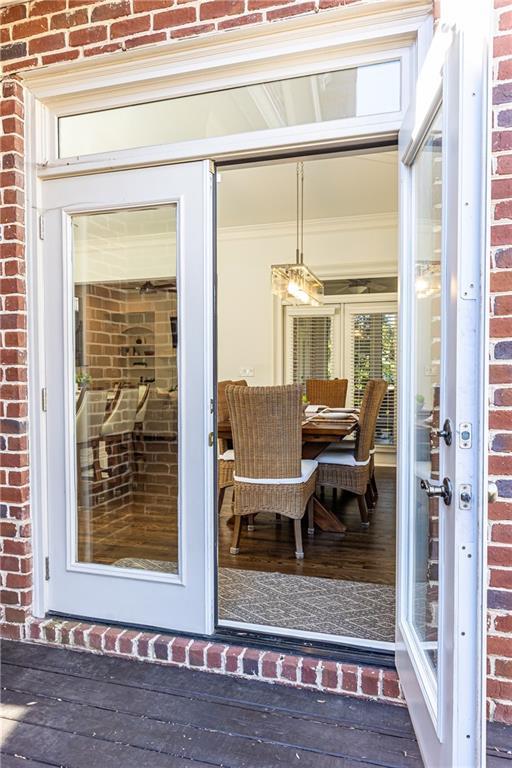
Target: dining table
317 433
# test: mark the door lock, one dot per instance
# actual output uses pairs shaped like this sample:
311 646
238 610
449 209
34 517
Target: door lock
446 432
443 491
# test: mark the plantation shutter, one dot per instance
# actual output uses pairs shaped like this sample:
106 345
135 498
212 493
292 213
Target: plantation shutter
373 340
311 348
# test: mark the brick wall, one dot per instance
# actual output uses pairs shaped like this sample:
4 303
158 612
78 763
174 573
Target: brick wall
46 31
500 416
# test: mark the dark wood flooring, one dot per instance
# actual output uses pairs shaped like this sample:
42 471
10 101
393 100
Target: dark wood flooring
66 708
114 531
361 554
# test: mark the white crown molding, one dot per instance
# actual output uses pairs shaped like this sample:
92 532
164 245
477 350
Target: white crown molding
377 221
351 29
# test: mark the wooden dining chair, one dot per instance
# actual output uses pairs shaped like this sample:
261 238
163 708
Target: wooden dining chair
90 413
329 392
350 470
226 456
269 473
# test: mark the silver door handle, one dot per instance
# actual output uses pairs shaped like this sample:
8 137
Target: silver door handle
492 493
443 491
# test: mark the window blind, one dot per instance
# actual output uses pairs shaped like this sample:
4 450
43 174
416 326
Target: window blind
311 348
373 339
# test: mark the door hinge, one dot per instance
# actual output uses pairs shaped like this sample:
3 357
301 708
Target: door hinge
44 399
210 439
47 569
41 227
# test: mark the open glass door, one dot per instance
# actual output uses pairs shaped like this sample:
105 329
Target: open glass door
441 602
128 307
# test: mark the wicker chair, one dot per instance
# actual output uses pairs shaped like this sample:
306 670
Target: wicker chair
270 475
329 392
350 470
226 460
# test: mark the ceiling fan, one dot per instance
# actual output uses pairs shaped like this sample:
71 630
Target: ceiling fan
150 287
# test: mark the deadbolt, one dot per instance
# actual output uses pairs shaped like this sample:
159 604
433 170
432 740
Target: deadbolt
443 491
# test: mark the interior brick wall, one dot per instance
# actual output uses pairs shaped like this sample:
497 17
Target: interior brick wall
44 32
500 396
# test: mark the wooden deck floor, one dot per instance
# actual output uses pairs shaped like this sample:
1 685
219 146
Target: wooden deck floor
79 710
65 708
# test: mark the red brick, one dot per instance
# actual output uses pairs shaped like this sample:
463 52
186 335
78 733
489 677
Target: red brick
329 674
500 465
390 684
69 20
501 234
308 672
503 210
87 36
370 681
143 6
174 18
214 656
126 641
51 58
161 648
96 637
179 650
269 665
110 639
502 45
106 11
216 9
504 624
157 37
130 26
503 668
249 18
289 668
196 653
500 578
233 655
503 713
13 13
11 631
349 678
29 28
100 49
196 29
250 662
44 7
47 43
290 10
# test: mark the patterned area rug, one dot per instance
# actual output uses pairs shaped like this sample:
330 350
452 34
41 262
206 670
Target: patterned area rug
306 603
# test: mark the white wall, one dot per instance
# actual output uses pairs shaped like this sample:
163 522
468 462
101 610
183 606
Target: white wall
349 247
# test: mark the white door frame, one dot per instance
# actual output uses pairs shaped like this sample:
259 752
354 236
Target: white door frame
340 38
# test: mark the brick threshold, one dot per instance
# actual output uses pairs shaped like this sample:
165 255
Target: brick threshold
240 661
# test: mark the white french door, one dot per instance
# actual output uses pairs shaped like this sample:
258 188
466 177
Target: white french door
128 313
440 620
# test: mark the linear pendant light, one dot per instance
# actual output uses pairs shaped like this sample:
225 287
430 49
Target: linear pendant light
296 283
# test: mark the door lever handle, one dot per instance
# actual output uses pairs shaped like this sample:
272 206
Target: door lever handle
443 491
446 432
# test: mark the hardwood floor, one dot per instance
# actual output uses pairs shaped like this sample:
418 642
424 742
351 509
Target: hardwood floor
113 531
366 555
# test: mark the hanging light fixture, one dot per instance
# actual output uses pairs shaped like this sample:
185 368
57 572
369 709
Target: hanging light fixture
296 282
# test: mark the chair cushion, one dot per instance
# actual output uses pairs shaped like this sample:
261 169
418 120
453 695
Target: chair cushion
346 445
343 458
227 455
308 466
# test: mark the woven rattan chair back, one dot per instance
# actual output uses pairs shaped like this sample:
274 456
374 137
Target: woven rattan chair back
222 403
329 392
373 396
266 424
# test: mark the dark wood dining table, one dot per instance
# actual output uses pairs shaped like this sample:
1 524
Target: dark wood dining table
317 433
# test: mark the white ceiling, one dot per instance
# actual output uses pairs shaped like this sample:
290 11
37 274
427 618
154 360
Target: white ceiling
334 187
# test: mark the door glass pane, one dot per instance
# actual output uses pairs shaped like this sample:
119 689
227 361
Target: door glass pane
426 390
126 377
368 90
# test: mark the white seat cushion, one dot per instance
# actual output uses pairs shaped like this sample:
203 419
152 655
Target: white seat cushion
308 466
227 455
346 445
343 458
